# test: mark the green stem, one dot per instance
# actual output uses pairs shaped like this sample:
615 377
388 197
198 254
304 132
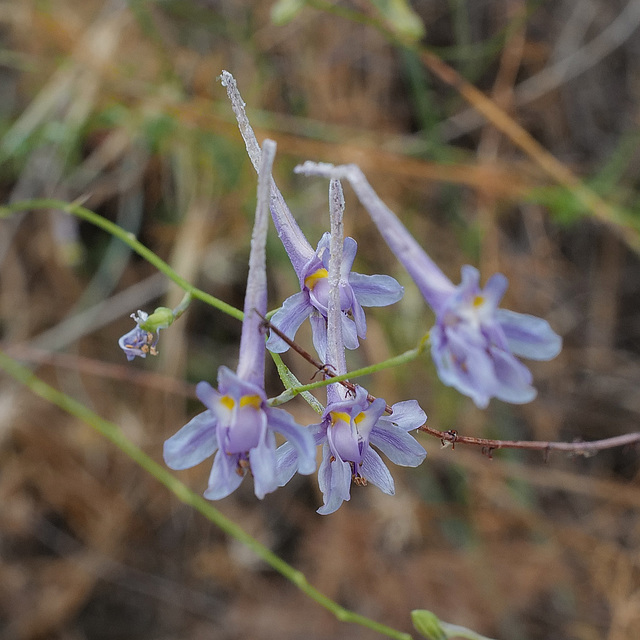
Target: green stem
129 239
396 361
113 433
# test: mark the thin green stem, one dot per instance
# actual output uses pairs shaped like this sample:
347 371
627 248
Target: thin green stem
113 433
396 361
129 239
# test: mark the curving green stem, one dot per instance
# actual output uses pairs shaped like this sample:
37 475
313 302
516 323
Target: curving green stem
294 389
113 433
129 239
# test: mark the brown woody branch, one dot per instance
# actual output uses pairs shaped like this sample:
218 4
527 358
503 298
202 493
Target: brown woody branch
578 448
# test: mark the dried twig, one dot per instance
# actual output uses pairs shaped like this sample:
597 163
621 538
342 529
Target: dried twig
577 448
325 369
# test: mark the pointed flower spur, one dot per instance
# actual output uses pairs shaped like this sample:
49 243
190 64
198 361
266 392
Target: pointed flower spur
311 267
351 423
474 343
238 426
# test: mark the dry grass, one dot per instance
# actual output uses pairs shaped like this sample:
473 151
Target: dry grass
121 104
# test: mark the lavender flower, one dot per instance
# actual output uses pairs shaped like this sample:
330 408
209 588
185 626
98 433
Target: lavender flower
142 340
356 290
351 424
238 424
474 344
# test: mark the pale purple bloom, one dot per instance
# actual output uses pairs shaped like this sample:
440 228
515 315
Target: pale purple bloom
351 423
238 426
348 429
138 341
356 290
474 344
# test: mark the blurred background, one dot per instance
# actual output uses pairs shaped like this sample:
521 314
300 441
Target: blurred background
119 103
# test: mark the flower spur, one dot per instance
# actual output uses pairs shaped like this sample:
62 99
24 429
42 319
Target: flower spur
238 426
351 423
474 344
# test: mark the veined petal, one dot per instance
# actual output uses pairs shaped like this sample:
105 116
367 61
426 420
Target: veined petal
263 466
465 368
319 334
334 479
287 454
407 415
376 290
224 478
529 336
376 472
195 442
513 379
295 310
349 250
300 438
400 447
349 333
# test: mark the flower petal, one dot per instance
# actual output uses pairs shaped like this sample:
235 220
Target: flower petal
529 336
263 466
334 479
376 290
349 333
195 442
349 250
224 478
400 447
294 311
299 437
319 334
376 472
407 415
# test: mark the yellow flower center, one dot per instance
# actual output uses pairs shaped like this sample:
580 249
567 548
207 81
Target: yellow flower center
311 281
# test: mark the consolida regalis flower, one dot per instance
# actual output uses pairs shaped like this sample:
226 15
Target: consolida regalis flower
238 425
474 344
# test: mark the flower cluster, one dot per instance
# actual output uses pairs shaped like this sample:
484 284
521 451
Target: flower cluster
475 346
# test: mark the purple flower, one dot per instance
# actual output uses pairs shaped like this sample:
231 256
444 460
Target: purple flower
139 341
143 338
348 429
351 424
238 426
356 291
474 344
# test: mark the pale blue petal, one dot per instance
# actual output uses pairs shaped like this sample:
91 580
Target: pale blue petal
513 379
376 472
400 447
294 311
349 333
529 336
375 291
495 289
224 478
299 437
349 250
263 466
334 479
207 395
287 454
407 415
195 442
319 334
